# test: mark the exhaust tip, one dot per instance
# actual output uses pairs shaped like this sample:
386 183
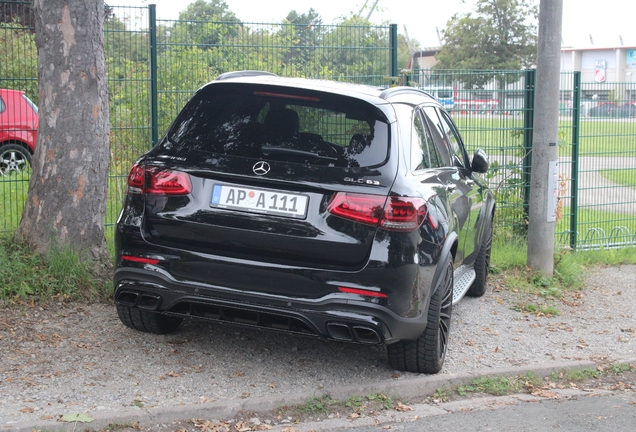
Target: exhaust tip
340 331
149 302
127 298
366 335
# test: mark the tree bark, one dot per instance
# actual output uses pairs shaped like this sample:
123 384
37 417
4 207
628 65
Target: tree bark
66 204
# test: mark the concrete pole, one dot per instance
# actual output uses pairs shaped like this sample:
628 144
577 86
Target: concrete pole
544 170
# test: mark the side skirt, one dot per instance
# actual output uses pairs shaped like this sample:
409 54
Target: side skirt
464 277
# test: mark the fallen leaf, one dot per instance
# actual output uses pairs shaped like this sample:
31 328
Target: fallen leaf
242 426
545 394
26 410
402 408
82 418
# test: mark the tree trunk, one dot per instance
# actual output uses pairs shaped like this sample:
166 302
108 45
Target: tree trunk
67 193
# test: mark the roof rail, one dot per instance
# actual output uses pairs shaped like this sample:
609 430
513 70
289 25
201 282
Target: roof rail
392 91
243 73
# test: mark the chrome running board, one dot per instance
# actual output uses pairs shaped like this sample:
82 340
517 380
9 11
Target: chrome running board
464 277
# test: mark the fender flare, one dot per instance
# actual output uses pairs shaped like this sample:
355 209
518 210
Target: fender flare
447 251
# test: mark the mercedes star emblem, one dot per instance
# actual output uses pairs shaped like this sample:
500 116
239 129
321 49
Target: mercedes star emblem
261 168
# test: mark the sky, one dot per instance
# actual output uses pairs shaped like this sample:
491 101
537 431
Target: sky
606 21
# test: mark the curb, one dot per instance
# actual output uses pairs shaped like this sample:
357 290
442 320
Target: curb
417 387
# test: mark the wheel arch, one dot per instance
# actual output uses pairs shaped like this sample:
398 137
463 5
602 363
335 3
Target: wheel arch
448 251
15 141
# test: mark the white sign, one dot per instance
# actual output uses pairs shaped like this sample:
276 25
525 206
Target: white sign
553 191
599 73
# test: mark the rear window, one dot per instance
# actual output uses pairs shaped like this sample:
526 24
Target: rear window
280 123
30 103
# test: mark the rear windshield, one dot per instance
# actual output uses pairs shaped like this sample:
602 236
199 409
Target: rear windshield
280 123
31 104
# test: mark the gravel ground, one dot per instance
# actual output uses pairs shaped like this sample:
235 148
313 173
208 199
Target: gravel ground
66 359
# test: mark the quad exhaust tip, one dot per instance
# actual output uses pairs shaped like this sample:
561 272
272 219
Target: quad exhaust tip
353 333
139 300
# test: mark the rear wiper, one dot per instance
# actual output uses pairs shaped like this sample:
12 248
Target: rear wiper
268 149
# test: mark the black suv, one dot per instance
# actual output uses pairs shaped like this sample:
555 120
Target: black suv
327 209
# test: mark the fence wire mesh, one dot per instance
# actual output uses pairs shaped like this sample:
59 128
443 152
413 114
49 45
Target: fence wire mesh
155 65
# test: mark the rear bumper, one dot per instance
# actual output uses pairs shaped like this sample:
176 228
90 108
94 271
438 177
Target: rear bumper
336 316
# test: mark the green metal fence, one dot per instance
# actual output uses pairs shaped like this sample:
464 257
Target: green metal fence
154 66
493 110
597 143
605 208
18 71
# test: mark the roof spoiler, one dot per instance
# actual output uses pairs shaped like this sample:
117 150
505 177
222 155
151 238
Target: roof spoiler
243 73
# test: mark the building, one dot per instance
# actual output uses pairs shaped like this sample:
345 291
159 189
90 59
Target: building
607 73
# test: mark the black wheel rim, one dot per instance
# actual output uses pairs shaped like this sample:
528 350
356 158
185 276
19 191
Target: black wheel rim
445 313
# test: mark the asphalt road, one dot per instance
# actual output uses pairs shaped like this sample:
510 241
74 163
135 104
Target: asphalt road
577 412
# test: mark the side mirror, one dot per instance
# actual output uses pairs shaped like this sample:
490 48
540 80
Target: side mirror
480 162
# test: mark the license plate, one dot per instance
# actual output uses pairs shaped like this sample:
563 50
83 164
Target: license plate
260 201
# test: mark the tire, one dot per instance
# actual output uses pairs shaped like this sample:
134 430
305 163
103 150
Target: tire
147 321
482 264
14 159
427 353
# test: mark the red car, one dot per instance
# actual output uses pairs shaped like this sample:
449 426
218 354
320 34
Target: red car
18 131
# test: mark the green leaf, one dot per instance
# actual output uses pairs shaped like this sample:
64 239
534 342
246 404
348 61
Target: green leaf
82 418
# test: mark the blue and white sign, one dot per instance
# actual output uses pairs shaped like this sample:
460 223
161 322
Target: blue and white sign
631 58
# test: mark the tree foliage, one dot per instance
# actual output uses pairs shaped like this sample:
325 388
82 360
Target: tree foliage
208 40
497 35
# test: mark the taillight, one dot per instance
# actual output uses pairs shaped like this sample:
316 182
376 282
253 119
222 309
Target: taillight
138 259
362 292
392 213
157 181
404 214
366 209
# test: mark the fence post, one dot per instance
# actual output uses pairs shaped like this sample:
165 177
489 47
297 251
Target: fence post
152 28
528 122
576 122
393 50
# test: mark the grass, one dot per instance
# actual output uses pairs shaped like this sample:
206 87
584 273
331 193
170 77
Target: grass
541 294
573 375
500 135
13 195
498 385
14 190
64 276
353 407
623 177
